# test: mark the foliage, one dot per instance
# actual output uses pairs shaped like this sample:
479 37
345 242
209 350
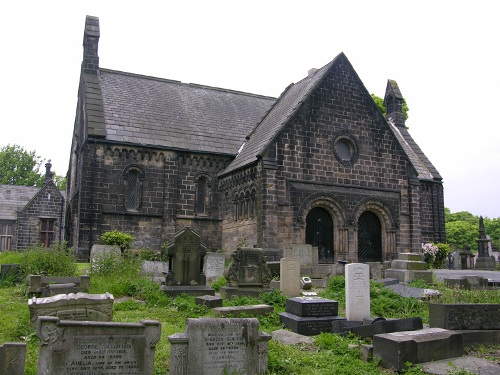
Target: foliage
217 284
20 167
58 260
117 238
435 254
153 255
461 233
379 102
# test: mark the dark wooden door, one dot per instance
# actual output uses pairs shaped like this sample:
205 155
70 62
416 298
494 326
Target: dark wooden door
369 238
319 233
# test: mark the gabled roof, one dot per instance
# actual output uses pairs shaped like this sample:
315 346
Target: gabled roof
46 186
13 198
278 116
169 114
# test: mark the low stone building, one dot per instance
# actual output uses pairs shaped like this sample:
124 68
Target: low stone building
31 215
319 165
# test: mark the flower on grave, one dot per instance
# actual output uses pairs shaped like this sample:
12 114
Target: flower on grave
429 249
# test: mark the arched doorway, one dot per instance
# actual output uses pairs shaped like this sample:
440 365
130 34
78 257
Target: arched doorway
369 238
319 233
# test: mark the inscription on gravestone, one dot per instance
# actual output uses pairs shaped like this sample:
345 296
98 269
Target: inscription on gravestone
97 348
214 265
249 270
290 277
357 291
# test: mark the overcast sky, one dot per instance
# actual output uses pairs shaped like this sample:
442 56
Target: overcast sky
443 54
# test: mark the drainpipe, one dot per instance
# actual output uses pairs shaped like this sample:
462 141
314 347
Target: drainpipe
91 230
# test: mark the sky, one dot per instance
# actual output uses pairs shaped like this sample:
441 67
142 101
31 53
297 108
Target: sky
444 55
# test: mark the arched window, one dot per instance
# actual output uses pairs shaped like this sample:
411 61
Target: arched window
202 198
132 196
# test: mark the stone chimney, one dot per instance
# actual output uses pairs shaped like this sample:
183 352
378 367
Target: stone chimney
90 63
393 102
48 173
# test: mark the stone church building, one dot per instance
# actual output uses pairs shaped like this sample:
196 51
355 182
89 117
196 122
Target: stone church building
318 165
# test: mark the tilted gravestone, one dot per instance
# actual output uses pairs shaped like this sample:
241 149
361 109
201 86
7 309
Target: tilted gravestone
357 291
214 266
12 358
72 347
216 346
79 306
290 277
432 344
310 316
306 254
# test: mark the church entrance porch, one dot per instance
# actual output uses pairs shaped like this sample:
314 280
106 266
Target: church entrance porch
319 233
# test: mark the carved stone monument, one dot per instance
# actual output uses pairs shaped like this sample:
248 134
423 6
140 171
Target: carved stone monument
185 275
247 274
71 347
216 346
12 357
214 266
357 291
79 306
484 261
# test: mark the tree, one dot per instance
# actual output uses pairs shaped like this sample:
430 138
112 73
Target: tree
20 167
460 233
59 181
380 104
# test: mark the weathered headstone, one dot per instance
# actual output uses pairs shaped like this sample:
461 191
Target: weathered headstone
154 269
214 265
72 347
306 254
247 274
290 277
216 346
310 316
357 291
103 252
456 260
432 344
465 316
246 310
46 286
79 306
12 358
387 326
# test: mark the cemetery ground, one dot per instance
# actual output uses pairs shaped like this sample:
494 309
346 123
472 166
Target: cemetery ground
138 298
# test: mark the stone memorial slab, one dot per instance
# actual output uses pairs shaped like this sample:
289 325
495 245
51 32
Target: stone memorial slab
103 252
466 316
290 277
306 254
432 344
44 285
217 346
154 268
100 348
79 306
235 311
311 307
214 265
388 326
209 301
310 316
357 291
12 358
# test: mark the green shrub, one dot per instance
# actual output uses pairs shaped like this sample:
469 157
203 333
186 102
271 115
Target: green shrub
117 238
217 284
441 255
57 260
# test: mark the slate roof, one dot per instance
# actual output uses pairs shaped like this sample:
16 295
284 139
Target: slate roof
169 114
13 198
282 111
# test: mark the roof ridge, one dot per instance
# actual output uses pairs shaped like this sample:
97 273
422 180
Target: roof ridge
153 78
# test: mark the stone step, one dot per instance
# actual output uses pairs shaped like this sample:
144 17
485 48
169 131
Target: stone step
409 265
411 256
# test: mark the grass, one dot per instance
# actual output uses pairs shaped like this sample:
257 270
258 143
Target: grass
137 298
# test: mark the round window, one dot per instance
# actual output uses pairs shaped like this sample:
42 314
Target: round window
345 149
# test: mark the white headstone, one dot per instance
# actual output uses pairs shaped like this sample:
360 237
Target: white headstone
456 260
290 277
357 291
214 265
307 255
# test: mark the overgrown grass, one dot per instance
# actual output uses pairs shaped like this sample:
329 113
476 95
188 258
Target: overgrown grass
138 298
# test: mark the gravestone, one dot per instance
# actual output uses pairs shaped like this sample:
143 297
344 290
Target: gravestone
456 260
409 267
12 358
156 270
46 286
186 256
103 252
485 261
79 306
378 327
217 346
357 291
247 274
465 316
306 254
310 316
72 347
214 266
290 277
432 344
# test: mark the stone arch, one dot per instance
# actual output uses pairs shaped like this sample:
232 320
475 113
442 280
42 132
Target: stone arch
337 212
387 220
